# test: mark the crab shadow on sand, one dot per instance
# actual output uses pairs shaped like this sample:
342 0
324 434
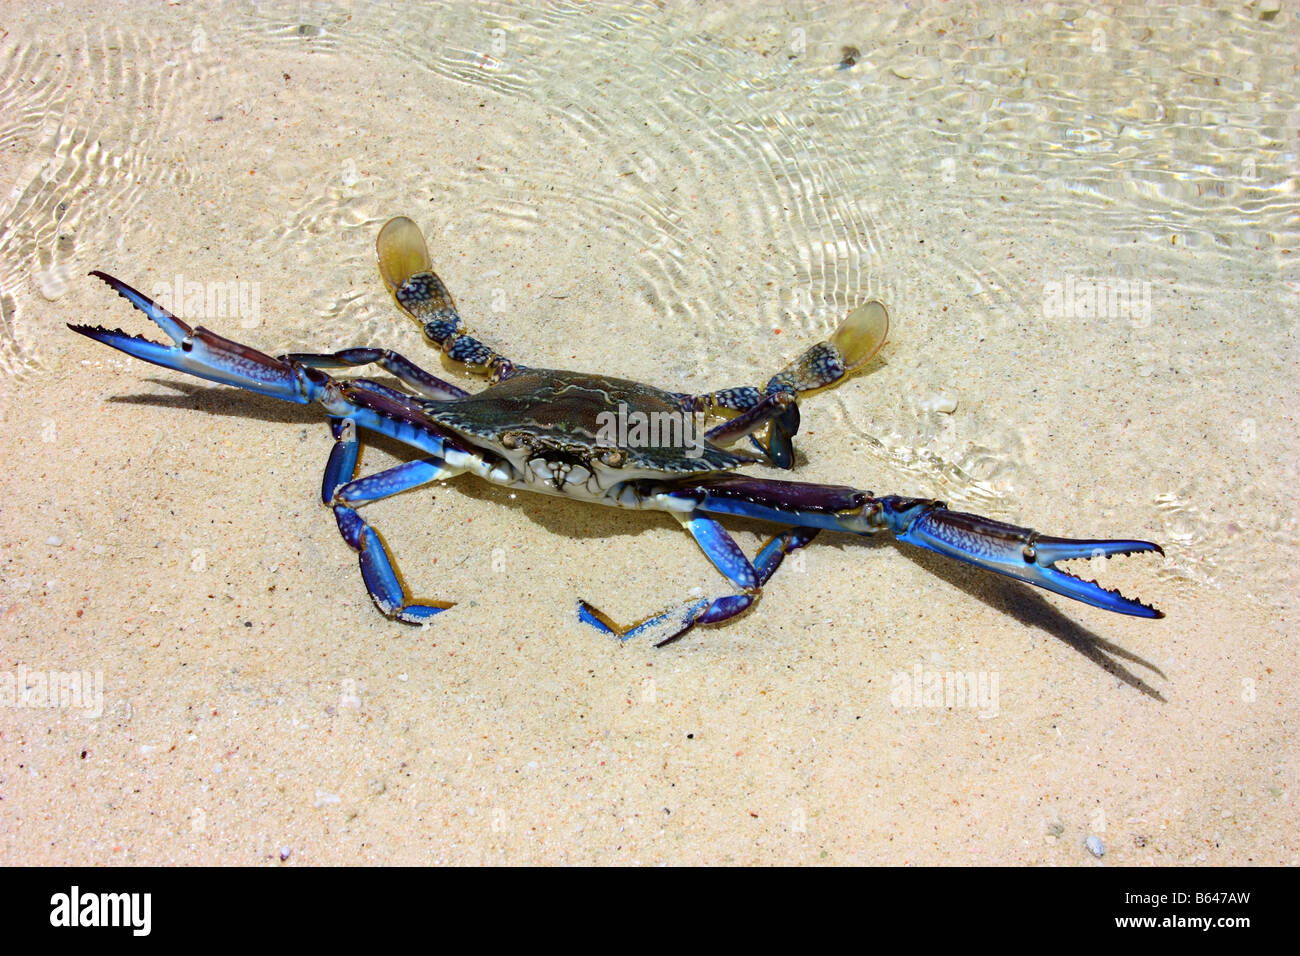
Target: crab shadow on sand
1014 599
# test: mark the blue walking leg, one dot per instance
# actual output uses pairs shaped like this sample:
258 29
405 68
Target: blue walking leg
402 368
344 495
721 549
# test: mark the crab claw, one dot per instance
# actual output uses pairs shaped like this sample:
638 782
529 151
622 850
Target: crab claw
1016 552
202 353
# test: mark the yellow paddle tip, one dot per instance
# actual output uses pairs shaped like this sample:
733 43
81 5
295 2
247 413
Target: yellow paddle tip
402 252
861 334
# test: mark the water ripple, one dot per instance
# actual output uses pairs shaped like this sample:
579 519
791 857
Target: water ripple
741 179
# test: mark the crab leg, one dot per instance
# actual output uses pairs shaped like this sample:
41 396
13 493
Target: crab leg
778 410
350 404
402 368
345 495
408 272
1016 552
853 344
727 556
200 352
720 548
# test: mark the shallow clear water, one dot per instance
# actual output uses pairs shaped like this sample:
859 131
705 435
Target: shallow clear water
1084 220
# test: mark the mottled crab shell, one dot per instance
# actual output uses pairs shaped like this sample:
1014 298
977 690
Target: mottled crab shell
568 414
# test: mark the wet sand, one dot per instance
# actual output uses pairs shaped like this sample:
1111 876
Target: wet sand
165 534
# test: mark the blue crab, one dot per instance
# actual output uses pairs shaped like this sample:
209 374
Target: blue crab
594 438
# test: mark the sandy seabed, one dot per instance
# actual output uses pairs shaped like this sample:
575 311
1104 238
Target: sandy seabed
165 536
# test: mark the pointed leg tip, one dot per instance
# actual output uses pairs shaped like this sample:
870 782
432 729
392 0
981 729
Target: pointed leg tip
414 614
595 618
602 622
420 614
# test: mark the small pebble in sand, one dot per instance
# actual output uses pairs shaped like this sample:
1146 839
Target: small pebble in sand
849 57
54 541
1095 846
939 402
284 853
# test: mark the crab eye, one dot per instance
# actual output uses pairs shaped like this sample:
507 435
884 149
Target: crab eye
613 457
